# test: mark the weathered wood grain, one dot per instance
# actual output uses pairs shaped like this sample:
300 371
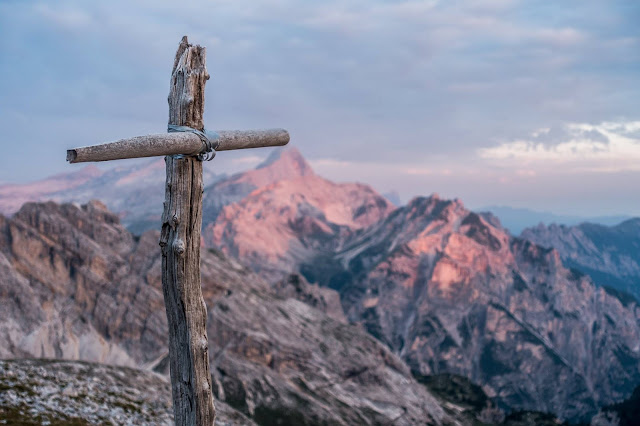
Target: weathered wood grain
176 143
180 244
243 139
139 146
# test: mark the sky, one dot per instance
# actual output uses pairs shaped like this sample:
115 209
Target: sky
530 104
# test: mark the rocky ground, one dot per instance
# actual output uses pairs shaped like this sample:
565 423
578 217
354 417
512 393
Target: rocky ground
55 392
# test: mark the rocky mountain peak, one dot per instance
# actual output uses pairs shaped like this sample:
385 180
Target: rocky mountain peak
434 207
288 158
282 164
281 224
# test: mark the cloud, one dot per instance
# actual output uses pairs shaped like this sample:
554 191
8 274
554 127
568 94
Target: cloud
403 94
611 146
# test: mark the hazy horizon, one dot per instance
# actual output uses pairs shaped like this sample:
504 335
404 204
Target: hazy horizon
239 163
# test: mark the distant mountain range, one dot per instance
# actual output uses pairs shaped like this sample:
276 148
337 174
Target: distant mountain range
135 192
517 219
610 255
444 290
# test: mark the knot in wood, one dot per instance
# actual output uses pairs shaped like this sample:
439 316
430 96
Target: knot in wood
187 101
175 220
178 246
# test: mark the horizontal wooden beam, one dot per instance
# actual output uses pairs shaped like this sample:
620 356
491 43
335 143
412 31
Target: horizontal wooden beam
176 143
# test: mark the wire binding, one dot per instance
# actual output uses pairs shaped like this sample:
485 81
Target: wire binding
209 140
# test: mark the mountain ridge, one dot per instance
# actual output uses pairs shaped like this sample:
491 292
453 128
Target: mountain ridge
518 219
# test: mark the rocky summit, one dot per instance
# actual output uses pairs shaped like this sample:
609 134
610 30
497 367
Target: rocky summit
77 285
283 224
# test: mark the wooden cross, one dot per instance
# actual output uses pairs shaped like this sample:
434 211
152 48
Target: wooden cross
182 223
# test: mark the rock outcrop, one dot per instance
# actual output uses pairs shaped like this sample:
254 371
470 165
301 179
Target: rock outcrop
41 391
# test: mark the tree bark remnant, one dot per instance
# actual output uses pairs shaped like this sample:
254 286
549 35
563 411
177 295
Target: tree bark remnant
180 244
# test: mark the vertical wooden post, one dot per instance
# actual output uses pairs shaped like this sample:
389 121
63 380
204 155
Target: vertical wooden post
180 243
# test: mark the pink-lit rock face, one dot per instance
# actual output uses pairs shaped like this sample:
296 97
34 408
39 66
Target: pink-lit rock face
283 164
292 217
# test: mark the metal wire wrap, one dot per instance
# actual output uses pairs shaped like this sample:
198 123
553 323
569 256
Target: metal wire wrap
209 140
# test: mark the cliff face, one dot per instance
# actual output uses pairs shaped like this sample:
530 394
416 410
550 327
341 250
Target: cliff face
76 285
609 254
451 291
